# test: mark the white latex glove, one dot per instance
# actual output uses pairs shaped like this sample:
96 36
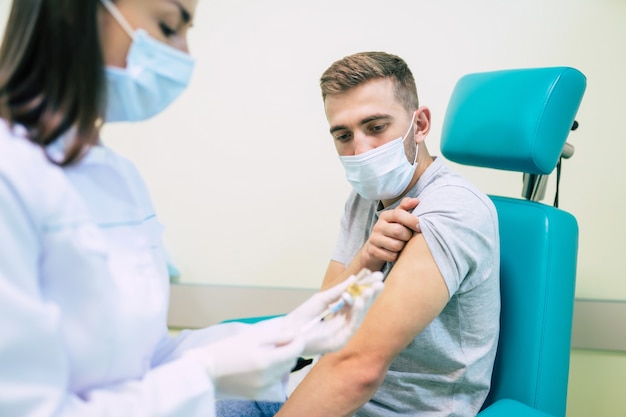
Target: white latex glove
251 364
333 332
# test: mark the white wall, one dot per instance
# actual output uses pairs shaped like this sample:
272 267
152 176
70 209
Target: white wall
242 168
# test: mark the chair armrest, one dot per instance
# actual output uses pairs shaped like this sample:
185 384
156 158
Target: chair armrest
511 408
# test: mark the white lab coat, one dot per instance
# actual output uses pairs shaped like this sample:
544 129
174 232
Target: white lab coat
84 293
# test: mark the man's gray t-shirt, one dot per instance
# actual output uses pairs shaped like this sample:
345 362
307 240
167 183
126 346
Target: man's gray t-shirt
446 369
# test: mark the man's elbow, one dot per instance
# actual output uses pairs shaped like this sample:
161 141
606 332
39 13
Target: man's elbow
365 374
370 380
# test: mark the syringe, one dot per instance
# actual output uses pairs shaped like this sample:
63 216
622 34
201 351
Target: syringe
347 297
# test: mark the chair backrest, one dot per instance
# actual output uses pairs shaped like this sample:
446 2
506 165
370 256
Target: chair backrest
519 120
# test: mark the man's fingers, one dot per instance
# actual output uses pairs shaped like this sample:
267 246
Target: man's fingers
405 219
405 216
408 203
394 241
387 250
384 254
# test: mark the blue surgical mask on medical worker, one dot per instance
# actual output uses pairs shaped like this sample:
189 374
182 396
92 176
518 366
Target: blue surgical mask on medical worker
155 75
382 173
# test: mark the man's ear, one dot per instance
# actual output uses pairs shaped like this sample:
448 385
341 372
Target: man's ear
422 124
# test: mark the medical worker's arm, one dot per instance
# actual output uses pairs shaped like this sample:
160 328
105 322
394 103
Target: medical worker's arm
35 370
340 383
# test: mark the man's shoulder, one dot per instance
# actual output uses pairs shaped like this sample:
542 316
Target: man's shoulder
439 174
447 189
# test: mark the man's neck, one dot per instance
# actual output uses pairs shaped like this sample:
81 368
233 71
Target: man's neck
423 162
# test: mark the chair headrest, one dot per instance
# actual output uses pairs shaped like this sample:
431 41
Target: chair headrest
515 120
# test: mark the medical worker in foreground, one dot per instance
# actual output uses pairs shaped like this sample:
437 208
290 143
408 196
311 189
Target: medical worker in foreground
83 279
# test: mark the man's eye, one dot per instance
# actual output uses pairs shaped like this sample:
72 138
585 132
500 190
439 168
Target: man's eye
343 138
378 128
167 31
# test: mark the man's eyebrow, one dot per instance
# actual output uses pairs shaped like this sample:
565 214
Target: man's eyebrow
368 119
376 117
336 128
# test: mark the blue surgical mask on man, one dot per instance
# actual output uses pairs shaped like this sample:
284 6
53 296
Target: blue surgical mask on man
382 173
155 75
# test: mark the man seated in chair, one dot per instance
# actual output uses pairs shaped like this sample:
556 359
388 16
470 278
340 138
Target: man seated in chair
428 343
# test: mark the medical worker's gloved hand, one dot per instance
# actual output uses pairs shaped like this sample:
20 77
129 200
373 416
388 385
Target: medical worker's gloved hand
252 363
334 331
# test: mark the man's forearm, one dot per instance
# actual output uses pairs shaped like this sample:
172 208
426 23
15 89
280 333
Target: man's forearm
335 387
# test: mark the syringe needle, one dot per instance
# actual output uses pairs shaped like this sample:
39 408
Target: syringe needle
353 291
332 309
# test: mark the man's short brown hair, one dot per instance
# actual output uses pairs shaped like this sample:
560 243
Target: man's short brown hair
361 67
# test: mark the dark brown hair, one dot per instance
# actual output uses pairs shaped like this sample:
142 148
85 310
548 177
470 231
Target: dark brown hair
359 68
52 72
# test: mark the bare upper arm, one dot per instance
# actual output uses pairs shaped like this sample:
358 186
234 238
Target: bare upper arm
414 295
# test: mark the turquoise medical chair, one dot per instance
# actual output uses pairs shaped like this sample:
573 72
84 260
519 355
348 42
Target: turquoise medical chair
519 120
